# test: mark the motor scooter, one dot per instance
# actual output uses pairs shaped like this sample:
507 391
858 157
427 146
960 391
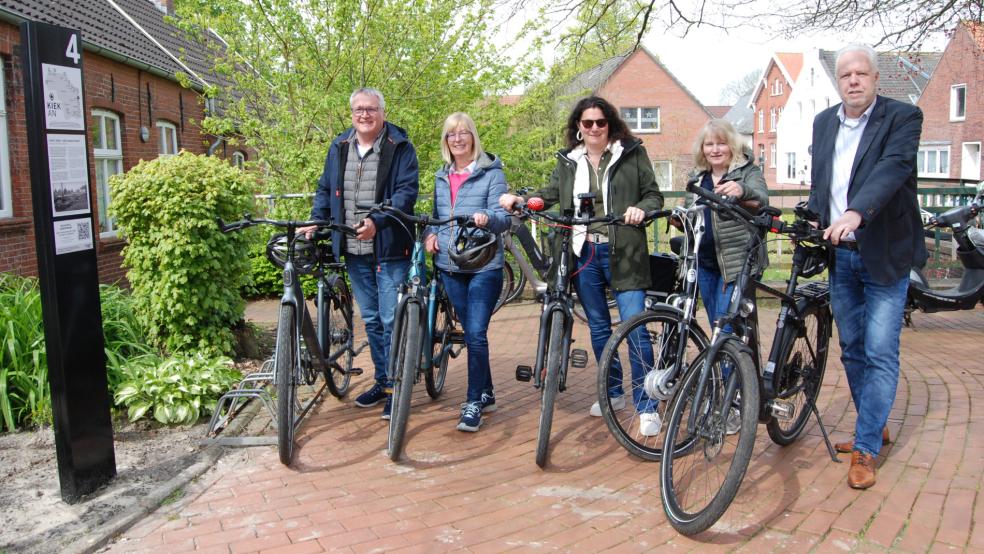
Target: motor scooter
970 291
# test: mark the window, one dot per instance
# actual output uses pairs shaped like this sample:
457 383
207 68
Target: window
970 161
108 153
167 134
813 74
772 119
777 87
958 102
664 174
238 159
813 108
761 121
6 202
827 99
772 155
933 161
799 107
642 119
761 160
790 165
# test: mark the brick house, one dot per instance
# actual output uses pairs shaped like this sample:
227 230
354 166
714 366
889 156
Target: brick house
137 110
767 102
953 109
658 108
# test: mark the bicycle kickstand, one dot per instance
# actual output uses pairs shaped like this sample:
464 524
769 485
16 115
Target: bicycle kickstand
823 430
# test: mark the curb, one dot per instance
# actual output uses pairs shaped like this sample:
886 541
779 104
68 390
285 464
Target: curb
100 536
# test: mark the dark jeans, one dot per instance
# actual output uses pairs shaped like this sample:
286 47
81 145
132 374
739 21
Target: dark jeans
375 287
593 279
473 296
869 322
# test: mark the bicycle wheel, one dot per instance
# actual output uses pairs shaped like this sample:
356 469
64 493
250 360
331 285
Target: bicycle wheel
338 314
698 484
406 358
508 285
551 384
612 309
440 349
804 361
656 349
285 360
518 284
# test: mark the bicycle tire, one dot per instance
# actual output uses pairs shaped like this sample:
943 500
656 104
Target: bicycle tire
508 281
518 284
662 326
551 385
339 339
407 358
435 376
285 361
709 445
800 375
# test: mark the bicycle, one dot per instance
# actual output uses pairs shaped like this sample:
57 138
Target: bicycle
422 295
327 346
729 381
553 350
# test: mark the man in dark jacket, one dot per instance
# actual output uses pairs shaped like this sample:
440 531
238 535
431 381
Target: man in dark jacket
864 188
371 162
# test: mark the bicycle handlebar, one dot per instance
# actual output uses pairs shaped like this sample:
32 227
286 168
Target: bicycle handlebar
249 221
572 220
386 209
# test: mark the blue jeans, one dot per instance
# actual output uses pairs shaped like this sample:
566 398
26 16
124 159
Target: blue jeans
473 296
715 293
593 278
869 322
375 286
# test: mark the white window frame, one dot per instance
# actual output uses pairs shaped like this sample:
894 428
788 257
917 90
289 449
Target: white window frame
791 165
668 184
107 159
238 159
955 91
772 154
762 120
970 169
761 160
772 119
635 122
167 127
6 194
923 160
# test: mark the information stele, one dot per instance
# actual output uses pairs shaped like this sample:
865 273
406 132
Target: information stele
67 265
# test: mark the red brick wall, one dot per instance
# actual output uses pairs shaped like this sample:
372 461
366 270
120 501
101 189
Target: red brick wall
962 62
765 102
641 82
111 86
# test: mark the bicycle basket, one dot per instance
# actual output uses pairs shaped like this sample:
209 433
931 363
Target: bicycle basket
305 253
663 268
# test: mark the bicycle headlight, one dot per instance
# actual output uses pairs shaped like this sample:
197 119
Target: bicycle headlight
746 307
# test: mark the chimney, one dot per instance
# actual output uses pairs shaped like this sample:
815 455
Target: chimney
166 6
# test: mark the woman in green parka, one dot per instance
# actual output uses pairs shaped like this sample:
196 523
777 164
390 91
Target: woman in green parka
603 157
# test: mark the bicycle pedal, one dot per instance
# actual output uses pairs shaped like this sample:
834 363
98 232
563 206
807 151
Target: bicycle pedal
579 358
524 373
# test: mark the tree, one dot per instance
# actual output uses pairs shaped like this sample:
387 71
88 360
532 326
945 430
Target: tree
739 87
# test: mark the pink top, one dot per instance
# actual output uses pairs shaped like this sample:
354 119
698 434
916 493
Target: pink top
457 179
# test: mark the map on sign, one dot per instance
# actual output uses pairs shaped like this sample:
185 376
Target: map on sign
63 97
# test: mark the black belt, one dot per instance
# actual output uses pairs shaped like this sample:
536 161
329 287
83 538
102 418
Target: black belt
851 245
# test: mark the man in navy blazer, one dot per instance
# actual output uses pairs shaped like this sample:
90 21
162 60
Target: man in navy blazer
864 188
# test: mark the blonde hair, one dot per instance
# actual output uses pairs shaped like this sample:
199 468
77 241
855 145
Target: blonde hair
720 128
455 120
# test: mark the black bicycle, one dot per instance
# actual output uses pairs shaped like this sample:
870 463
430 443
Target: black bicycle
722 396
327 346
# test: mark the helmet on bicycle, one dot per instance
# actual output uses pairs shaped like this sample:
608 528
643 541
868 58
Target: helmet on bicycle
815 261
473 248
305 252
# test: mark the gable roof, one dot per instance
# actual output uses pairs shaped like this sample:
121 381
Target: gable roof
789 64
718 111
132 32
742 116
902 76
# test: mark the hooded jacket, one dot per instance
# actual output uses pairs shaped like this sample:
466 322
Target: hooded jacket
479 193
631 182
731 237
396 181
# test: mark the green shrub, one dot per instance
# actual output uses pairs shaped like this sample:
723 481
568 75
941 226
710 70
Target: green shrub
179 389
186 275
267 280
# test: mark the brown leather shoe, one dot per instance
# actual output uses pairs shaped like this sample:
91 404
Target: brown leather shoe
862 472
848 446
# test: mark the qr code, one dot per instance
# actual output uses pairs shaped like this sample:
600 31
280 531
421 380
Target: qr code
83 230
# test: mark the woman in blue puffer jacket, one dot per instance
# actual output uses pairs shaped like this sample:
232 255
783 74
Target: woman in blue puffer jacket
470 183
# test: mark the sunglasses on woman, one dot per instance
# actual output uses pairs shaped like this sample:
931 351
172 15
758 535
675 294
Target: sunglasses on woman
589 123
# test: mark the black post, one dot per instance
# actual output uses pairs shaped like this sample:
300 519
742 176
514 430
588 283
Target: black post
67 268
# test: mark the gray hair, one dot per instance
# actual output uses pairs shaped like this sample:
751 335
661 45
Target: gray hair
369 91
868 51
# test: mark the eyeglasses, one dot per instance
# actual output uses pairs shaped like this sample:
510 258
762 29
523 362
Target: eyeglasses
364 111
589 123
458 135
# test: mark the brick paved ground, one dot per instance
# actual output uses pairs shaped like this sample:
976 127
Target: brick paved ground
483 492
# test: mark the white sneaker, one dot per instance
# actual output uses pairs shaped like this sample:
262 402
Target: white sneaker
618 403
649 424
733 423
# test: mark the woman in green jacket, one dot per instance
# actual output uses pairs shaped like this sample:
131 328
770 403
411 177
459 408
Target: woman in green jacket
603 157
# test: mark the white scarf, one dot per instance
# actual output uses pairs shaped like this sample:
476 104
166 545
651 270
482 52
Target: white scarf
582 183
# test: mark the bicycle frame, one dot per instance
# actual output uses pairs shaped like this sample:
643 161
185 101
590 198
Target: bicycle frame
556 300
